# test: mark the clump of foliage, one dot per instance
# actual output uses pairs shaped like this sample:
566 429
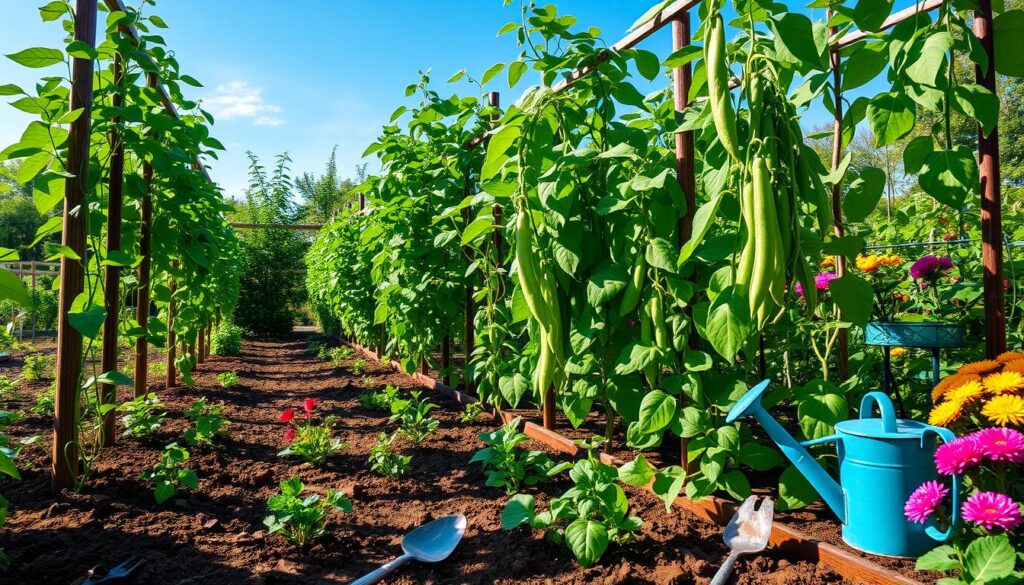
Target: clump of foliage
228 379
171 475
45 400
472 413
9 468
358 367
142 416
226 339
38 367
385 461
7 339
508 465
208 423
338 355
588 517
8 388
314 443
414 417
302 519
379 399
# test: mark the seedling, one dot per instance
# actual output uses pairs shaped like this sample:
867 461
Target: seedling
8 388
339 354
473 412
171 476
358 367
228 379
302 519
38 367
385 461
413 414
46 400
587 518
312 442
379 400
141 418
208 423
511 467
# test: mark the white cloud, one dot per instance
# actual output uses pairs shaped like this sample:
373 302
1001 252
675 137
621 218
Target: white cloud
238 99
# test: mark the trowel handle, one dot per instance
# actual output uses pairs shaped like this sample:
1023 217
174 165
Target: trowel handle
382 571
954 517
722 576
884 406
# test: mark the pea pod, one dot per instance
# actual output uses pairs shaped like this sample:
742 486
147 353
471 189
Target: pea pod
656 308
631 296
718 75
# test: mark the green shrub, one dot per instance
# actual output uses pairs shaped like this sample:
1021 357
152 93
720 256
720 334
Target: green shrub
228 379
208 423
301 519
385 461
379 400
39 367
8 388
46 400
414 416
226 339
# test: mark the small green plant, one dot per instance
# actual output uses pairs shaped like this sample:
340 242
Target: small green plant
473 412
38 367
358 367
141 417
511 467
8 388
157 368
385 461
226 339
414 416
338 355
228 379
312 442
302 519
208 423
46 400
589 516
379 399
7 467
314 348
988 559
323 352
171 476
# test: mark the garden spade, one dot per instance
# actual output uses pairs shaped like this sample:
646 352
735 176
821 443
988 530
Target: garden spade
430 543
747 532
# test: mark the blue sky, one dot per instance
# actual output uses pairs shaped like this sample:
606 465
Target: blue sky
304 76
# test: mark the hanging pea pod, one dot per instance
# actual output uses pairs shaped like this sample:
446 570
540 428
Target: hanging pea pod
722 112
631 296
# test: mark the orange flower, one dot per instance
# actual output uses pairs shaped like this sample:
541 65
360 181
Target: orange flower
1015 366
898 352
868 263
1010 356
828 262
891 260
981 367
950 382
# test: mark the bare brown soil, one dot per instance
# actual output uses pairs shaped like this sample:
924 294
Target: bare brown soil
216 535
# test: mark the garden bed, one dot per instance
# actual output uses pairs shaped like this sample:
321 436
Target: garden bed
216 534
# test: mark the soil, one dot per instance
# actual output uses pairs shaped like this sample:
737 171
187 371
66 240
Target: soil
216 534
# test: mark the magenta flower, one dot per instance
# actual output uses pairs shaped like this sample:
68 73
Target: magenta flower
922 503
946 263
957 455
823 279
930 267
992 510
1001 444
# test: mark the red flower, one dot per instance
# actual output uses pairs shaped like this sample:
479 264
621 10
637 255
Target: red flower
289 434
288 415
309 405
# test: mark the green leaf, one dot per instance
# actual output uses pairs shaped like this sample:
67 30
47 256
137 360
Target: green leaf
819 413
915 153
605 284
864 194
497 148
794 490
728 324
795 38
702 222
950 176
88 321
637 472
661 254
477 228
854 296
927 59
656 411
635 357
516 69
942 558
648 64
869 15
37 57
12 288
114 378
11 89
736 484
652 12
82 50
759 457
891 116
8 466
1008 37
587 539
164 491
32 166
989 558
492 73
979 103
690 422
863 65
53 10
519 509
668 483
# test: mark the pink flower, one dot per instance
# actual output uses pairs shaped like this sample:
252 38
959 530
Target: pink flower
1001 444
288 415
823 279
289 434
957 455
946 263
632 322
922 503
309 404
992 510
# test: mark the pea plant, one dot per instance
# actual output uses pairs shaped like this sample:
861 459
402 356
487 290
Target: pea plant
414 417
142 416
302 519
228 379
171 475
385 461
208 424
508 465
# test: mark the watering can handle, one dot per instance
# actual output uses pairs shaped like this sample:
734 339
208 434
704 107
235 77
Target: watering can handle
884 405
954 517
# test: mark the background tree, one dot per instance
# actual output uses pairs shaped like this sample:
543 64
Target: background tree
324 195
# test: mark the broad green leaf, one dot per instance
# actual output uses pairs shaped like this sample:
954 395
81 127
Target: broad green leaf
661 254
11 89
950 176
656 411
915 153
114 378
702 222
736 484
605 284
37 57
88 320
519 509
795 37
869 15
891 116
979 103
635 357
863 65
53 10
819 414
927 59
691 421
652 12
648 64
728 324
637 472
516 69
12 288
587 539
759 457
497 149
794 490
8 466
854 296
989 558
942 558
668 482
492 73
1008 37
863 195
477 228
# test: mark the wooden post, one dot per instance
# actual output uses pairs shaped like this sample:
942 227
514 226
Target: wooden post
33 298
837 190
171 372
72 272
469 337
201 351
991 211
112 274
682 78
424 368
143 290
209 340
446 360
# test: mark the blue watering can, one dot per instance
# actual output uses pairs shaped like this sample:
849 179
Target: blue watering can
881 462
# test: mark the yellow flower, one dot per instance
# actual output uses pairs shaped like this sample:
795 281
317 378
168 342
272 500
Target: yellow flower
966 393
982 367
891 260
828 262
950 382
898 352
1005 409
1003 382
868 263
945 413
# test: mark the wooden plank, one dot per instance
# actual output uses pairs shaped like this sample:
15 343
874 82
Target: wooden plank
309 227
890 22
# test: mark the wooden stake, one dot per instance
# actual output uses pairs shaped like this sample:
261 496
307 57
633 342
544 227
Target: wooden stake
142 293
837 192
201 351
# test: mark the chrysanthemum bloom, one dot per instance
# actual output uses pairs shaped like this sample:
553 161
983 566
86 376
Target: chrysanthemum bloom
1001 444
944 413
868 263
992 510
822 280
924 266
981 367
957 455
1005 409
950 382
1003 382
966 393
1015 366
898 352
891 260
922 503
1009 356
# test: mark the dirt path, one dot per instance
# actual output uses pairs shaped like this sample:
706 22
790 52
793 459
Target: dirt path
216 534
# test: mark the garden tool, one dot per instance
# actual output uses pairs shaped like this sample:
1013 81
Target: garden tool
747 533
881 462
430 543
117 574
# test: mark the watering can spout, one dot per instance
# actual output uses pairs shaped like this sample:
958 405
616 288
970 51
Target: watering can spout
828 488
